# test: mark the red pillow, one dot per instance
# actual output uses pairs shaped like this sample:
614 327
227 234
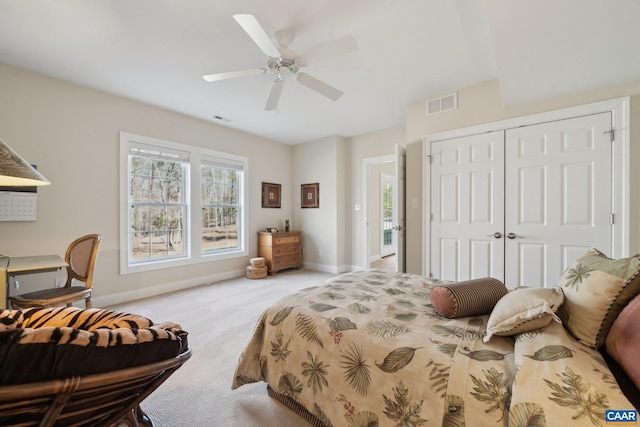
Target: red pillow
623 340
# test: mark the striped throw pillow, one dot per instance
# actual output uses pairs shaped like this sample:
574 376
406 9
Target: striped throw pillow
471 297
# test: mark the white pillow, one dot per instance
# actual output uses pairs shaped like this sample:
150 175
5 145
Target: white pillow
522 310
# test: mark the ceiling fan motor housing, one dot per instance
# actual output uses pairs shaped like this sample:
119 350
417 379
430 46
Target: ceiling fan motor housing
285 67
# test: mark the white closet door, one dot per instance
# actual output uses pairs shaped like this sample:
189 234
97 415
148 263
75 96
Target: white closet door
467 205
558 197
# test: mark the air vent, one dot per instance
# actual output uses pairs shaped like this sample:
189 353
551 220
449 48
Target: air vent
222 119
445 103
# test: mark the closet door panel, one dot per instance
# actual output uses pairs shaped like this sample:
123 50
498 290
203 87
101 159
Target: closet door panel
558 197
467 207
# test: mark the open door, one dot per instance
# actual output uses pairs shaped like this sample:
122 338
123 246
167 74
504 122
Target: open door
388 215
399 219
398 223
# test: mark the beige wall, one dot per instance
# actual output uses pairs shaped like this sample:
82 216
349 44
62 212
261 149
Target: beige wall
343 195
369 145
324 228
481 104
72 134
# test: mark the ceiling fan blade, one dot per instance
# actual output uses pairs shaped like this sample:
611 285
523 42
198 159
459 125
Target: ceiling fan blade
235 74
253 28
319 86
274 95
328 51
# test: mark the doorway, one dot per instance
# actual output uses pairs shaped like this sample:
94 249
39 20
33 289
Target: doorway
374 213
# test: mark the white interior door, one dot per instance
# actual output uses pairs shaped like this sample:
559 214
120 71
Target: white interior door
399 211
558 197
388 215
467 207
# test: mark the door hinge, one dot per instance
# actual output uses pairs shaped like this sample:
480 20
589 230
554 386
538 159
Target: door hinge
613 218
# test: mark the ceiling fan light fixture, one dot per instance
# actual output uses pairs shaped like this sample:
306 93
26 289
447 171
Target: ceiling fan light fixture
284 71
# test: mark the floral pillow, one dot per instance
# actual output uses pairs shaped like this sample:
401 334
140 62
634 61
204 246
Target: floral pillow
596 289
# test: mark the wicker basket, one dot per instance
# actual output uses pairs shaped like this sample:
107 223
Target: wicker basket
257 262
256 272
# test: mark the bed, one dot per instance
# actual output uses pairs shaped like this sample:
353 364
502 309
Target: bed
370 348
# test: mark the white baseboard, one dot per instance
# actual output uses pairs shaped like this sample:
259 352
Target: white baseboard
344 269
321 267
335 269
152 291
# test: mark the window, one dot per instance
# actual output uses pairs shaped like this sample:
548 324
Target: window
221 208
180 204
157 202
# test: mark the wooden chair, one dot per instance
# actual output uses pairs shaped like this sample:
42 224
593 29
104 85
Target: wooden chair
107 399
81 257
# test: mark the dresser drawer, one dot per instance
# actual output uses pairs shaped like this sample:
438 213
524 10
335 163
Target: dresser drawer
287 249
281 240
286 261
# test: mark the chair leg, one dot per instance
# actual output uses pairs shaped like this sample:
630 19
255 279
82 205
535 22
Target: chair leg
87 302
142 417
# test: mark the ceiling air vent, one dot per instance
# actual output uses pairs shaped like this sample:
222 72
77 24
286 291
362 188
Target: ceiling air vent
445 103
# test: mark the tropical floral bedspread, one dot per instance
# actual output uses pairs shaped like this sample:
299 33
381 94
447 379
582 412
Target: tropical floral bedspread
367 349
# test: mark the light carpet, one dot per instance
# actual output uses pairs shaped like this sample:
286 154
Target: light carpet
219 318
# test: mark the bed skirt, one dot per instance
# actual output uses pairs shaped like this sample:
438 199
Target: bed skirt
296 407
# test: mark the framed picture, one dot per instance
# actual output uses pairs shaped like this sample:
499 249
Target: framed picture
310 195
271 195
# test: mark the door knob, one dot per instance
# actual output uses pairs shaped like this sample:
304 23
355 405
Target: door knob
496 235
513 236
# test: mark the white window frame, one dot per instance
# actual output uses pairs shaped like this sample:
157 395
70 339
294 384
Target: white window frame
193 249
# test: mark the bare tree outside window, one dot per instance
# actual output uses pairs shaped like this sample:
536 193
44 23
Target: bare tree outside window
165 223
158 209
220 208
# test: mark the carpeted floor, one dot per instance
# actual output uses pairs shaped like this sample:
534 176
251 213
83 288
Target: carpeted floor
219 318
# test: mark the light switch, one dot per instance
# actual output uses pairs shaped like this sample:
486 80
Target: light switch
357 206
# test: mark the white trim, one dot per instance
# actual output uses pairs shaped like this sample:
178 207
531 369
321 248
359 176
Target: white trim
426 207
147 292
193 249
324 268
619 108
366 164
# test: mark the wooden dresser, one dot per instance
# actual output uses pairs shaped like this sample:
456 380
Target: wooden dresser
280 250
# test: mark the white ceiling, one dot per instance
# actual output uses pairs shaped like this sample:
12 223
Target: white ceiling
156 51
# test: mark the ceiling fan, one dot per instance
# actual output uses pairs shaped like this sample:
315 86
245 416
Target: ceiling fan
285 63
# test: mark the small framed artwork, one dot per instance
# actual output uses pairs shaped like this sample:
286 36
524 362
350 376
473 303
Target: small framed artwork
271 195
310 195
